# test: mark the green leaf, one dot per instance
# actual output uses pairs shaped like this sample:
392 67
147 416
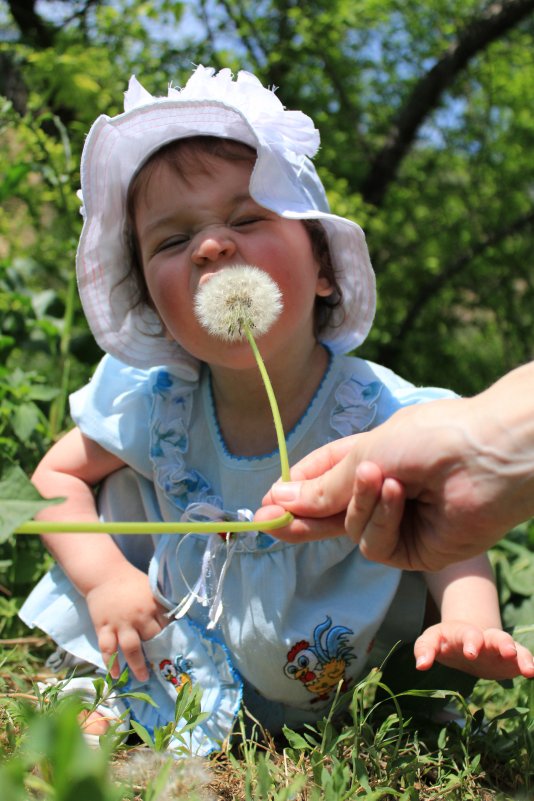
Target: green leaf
19 501
142 733
296 740
42 393
139 696
25 420
100 687
523 631
515 562
12 179
6 342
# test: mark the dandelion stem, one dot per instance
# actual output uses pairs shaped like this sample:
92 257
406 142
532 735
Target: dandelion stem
282 448
125 527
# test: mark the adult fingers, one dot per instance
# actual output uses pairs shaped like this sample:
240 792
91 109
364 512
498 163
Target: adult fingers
323 459
324 496
315 465
301 528
366 494
374 519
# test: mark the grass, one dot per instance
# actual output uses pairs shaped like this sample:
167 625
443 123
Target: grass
375 752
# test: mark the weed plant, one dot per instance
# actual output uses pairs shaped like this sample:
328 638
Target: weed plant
364 748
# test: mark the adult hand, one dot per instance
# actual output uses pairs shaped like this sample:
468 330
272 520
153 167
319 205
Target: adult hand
436 483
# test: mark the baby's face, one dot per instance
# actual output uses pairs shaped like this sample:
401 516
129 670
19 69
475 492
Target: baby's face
189 227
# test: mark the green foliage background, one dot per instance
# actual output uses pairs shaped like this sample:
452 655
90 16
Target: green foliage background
427 123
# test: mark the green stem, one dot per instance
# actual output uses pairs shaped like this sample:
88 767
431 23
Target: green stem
57 411
192 526
282 448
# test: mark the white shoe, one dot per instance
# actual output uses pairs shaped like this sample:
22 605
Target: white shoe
63 660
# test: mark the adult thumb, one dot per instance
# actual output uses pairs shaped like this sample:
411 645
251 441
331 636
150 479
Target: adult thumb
322 496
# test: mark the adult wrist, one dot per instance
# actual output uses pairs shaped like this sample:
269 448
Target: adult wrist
503 430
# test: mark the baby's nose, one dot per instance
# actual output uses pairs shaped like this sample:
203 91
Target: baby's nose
213 245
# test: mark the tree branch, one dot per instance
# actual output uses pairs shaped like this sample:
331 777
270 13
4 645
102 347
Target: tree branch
251 40
431 288
492 24
32 27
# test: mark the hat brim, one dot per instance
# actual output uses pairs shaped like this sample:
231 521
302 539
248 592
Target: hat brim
114 151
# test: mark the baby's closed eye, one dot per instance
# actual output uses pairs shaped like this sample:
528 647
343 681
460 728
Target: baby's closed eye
243 222
179 240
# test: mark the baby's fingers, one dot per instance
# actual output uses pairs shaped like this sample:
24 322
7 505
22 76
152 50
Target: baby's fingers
426 648
471 642
446 641
130 643
510 650
108 645
501 642
525 661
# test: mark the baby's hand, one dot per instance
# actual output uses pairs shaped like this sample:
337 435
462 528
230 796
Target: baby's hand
124 612
486 653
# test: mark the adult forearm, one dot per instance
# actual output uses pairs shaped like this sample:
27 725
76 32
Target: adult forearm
506 441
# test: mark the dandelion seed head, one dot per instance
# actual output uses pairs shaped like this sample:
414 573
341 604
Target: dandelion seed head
187 779
237 297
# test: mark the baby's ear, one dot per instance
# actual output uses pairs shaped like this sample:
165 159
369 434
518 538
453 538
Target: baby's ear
323 287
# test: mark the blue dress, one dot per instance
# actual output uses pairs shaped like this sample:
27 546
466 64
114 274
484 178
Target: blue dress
275 625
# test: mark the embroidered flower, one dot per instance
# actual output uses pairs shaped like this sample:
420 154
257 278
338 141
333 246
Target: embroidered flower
356 406
163 382
272 123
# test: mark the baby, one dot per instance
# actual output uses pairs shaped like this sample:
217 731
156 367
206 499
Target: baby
176 426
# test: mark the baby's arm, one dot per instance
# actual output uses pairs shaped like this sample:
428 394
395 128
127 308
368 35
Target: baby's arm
121 605
470 635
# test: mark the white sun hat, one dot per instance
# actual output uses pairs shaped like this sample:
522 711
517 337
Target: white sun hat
283 180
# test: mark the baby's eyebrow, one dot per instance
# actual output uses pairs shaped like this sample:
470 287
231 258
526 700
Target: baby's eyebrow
159 222
172 217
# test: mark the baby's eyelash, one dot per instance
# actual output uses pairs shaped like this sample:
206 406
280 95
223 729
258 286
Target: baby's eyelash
172 243
247 221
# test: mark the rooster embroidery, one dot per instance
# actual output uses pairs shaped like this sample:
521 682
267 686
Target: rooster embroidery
321 666
176 673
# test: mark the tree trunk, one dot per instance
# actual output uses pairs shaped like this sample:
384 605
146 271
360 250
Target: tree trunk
34 30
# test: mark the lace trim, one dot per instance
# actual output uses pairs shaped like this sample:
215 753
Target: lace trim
169 442
192 494
290 433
